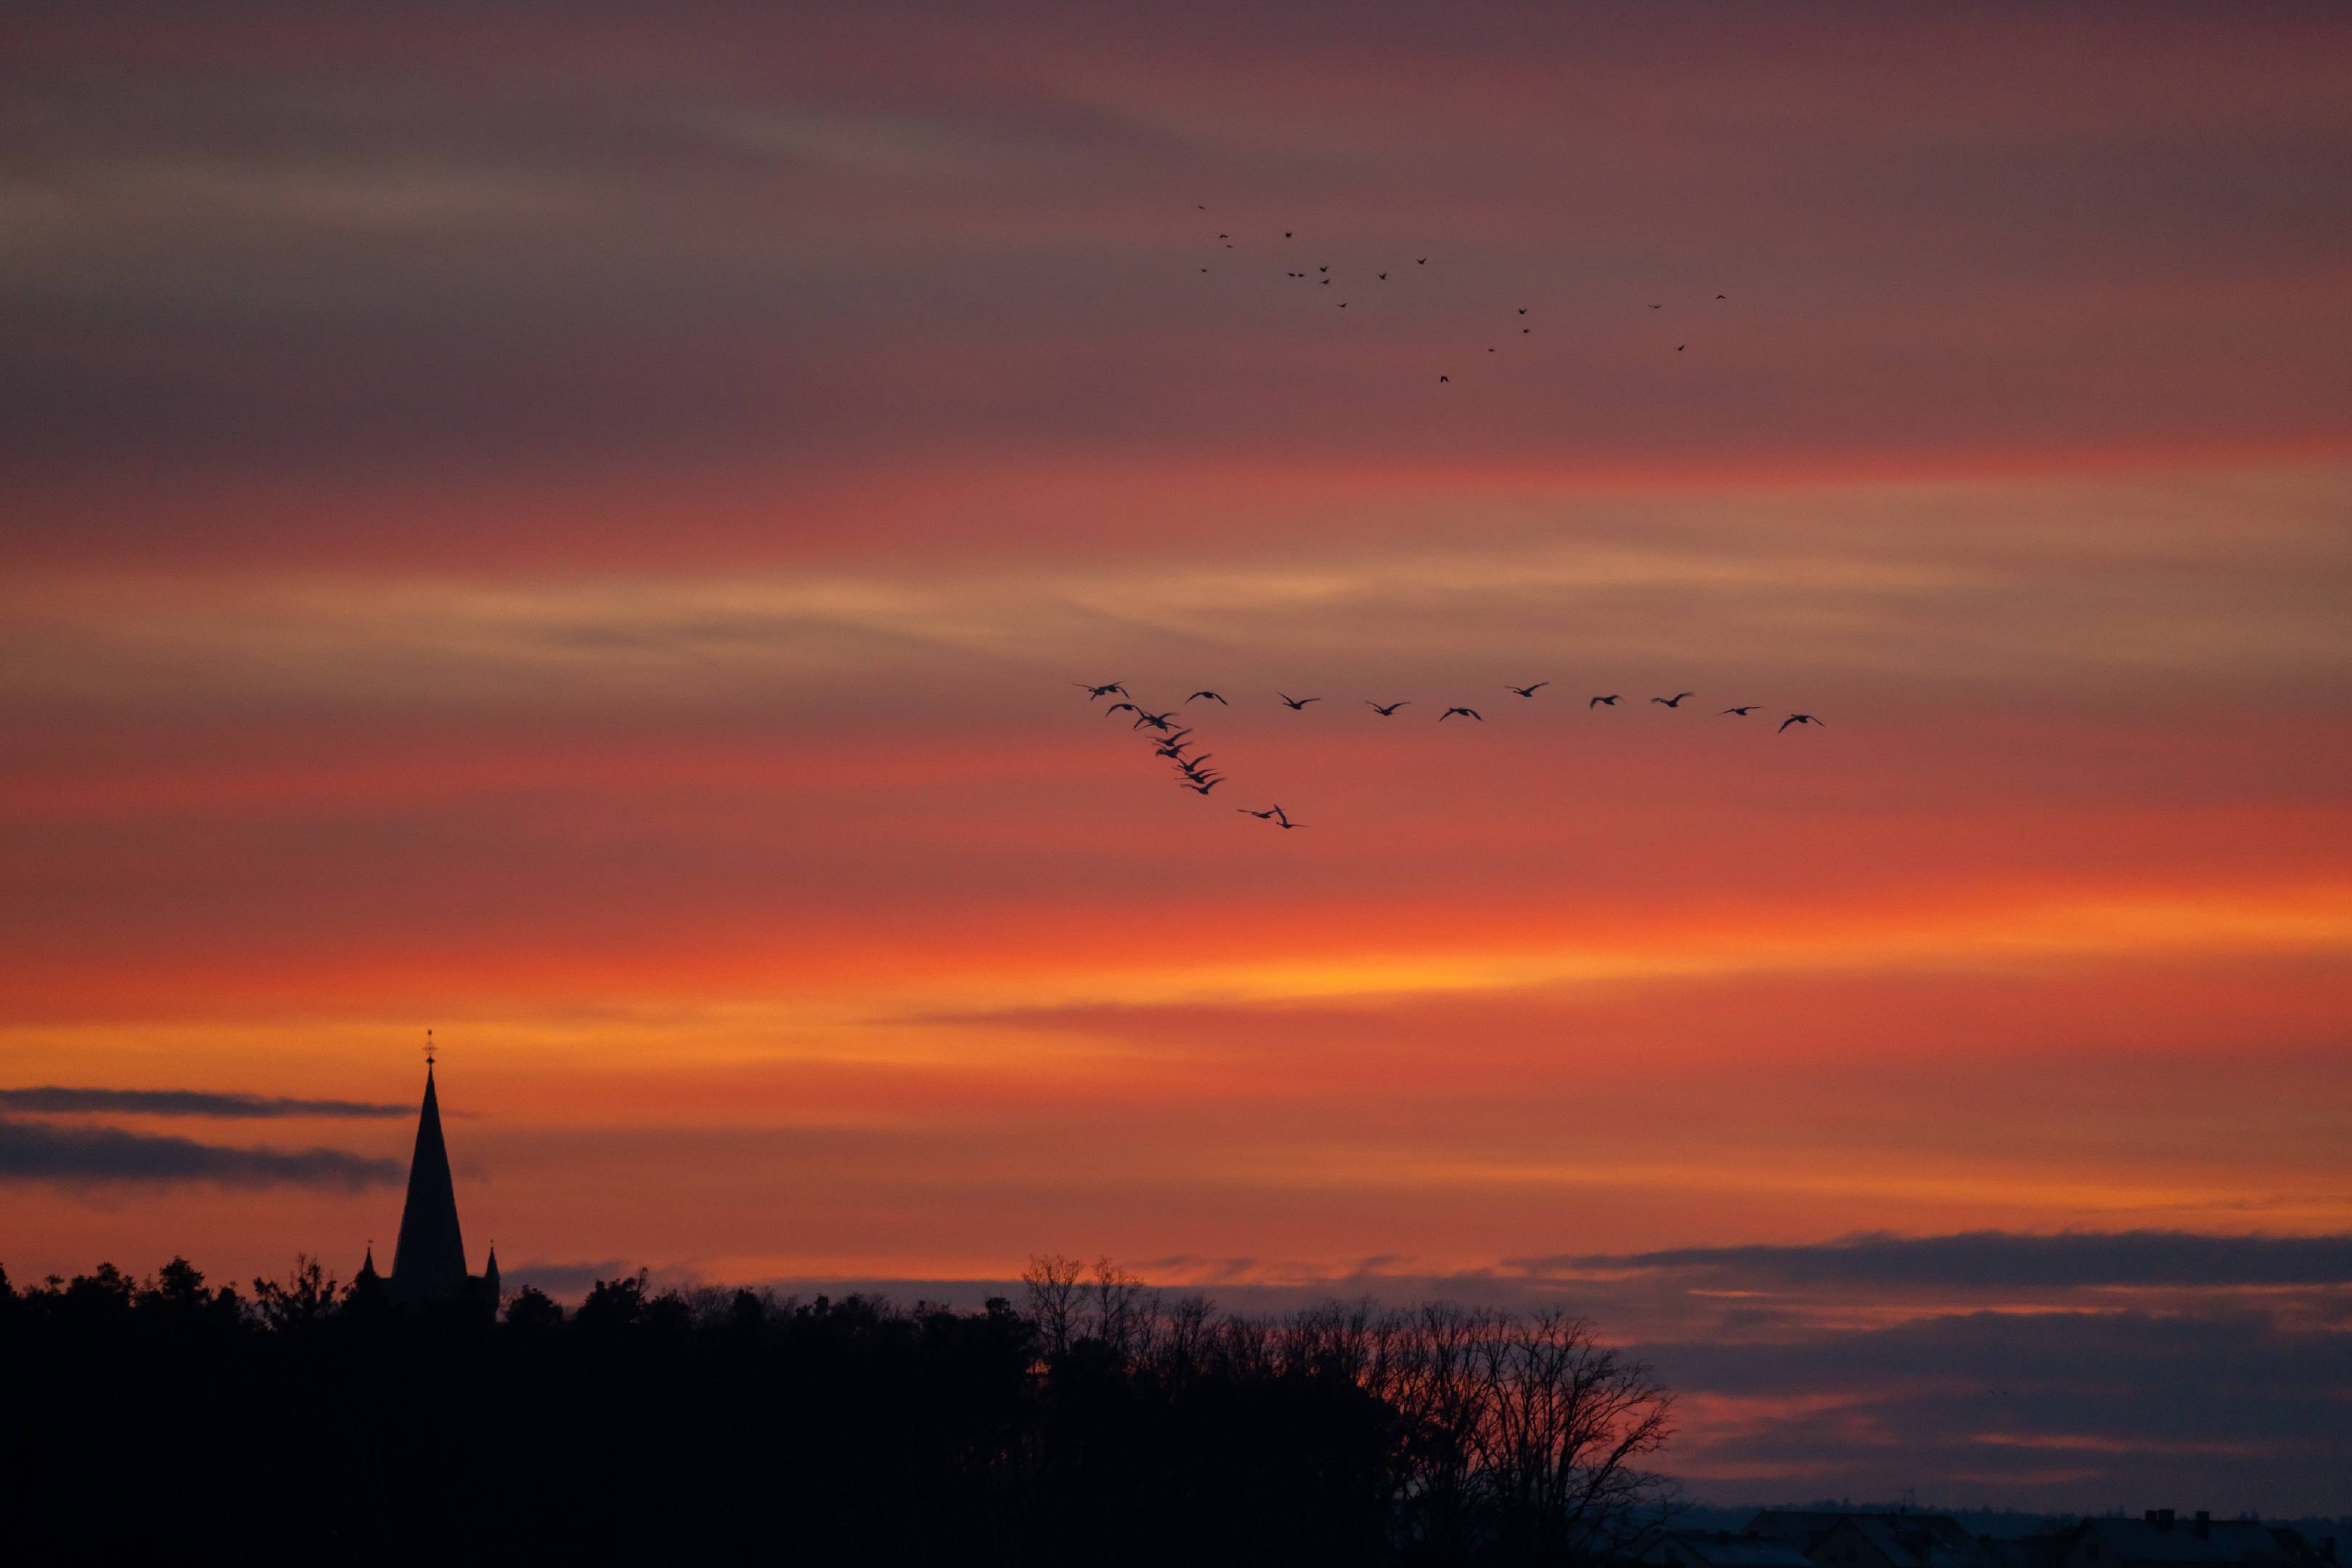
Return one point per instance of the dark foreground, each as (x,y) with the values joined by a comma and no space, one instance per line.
(167,1419)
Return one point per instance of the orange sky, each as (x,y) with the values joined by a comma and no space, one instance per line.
(583,539)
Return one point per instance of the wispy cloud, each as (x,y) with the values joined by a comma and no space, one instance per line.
(54,1100)
(38,1152)
(1995,1258)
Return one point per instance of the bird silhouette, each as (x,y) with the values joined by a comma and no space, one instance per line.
(1093,691)
(1285,234)
(1657,306)
(1673,701)
(1295,703)
(1260,815)
(1720,296)
(1743,712)
(1157,720)
(1465,712)
(1679,347)
(1117,706)
(1420,262)
(1203,788)
(1210,696)
(1530,690)
(1798,718)
(1322,269)
(1283,819)
(1386,709)
(1450,378)
(1609,702)
(1384,277)
(1523,310)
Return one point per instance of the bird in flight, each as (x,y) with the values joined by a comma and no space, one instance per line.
(1203,788)
(1743,712)
(1260,815)
(1530,690)
(1720,296)
(1210,696)
(1281,819)
(1673,701)
(1609,702)
(1798,718)
(1450,378)
(1384,277)
(1420,262)
(1295,704)
(1657,306)
(1679,347)
(1523,310)
(1093,691)
(1117,706)
(1157,720)
(1465,712)
(1385,709)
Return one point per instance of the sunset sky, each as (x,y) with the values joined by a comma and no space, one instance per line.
(576,526)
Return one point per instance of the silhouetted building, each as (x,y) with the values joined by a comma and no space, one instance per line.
(1803,1528)
(1901,1541)
(2161,1539)
(428,1261)
(1721,1549)
(1836,1538)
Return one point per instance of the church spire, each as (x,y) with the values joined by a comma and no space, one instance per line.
(428,1262)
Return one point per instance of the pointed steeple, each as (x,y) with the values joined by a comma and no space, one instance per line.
(428,1262)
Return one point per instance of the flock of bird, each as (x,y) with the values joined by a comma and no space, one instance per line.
(1321,276)
(1171,738)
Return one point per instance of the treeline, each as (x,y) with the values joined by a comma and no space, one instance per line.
(1096,1421)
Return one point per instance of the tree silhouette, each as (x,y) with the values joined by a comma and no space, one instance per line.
(1099,1419)
(302,1300)
(532,1310)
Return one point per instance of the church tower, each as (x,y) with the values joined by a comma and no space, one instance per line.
(428,1262)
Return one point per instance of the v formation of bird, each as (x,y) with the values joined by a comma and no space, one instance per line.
(1321,276)
(1173,739)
